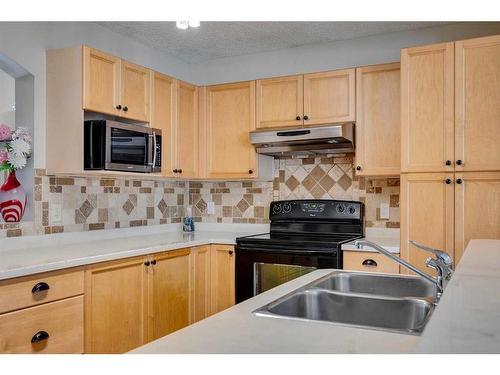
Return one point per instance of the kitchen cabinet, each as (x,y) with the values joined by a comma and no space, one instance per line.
(280,102)
(201,283)
(427,209)
(427,112)
(229,117)
(477,208)
(477,104)
(116,306)
(163,116)
(135,92)
(169,292)
(329,97)
(369,262)
(223,293)
(378,120)
(186,164)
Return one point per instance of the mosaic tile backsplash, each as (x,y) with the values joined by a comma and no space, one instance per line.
(92,203)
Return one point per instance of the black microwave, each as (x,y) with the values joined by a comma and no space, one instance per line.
(116,146)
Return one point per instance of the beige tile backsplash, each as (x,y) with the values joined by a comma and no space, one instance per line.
(92,203)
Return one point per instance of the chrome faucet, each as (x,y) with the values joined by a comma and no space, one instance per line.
(442,264)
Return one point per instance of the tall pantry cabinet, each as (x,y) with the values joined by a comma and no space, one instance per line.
(450,141)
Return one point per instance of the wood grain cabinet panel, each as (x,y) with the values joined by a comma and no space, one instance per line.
(427,204)
(115,306)
(223,293)
(280,102)
(135,92)
(229,117)
(369,262)
(329,97)
(201,281)
(378,120)
(477,208)
(427,113)
(101,81)
(163,116)
(169,293)
(55,327)
(477,104)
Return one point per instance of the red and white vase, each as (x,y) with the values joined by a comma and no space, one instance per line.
(12,199)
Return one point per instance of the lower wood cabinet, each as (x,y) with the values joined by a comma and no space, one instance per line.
(369,262)
(223,294)
(200,274)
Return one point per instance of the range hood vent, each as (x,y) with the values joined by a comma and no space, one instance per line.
(331,139)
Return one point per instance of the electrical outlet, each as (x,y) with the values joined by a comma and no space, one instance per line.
(210,208)
(384,210)
(55,213)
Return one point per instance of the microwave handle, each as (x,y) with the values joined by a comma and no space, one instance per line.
(152,150)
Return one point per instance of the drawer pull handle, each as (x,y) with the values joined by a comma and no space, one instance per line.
(40,287)
(39,336)
(369,263)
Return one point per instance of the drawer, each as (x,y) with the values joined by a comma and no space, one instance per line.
(369,262)
(33,290)
(55,327)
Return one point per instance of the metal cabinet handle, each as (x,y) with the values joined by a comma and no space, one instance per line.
(153,262)
(125,109)
(448,162)
(369,263)
(448,181)
(40,287)
(459,181)
(39,336)
(231,252)
(306,117)
(180,171)
(459,162)
(297,118)
(358,168)
(118,107)
(147,263)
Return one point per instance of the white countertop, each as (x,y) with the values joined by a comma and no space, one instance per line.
(467,320)
(385,237)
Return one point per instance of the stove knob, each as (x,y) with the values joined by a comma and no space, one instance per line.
(287,207)
(351,210)
(340,209)
(277,208)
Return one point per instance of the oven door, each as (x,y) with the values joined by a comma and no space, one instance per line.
(129,147)
(258,270)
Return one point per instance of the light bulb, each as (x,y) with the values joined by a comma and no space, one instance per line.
(194,23)
(182,24)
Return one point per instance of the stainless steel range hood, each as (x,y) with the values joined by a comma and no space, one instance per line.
(332,139)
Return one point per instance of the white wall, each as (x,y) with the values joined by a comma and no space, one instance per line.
(26,42)
(329,56)
(7,98)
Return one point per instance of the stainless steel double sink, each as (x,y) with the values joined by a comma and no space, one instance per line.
(395,303)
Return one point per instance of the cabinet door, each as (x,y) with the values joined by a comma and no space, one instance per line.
(477,104)
(187,130)
(378,124)
(329,97)
(169,287)
(101,81)
(230,116)
(427,115)
(223,277)
(115,306)
(201,283)
(135,91)
(163,117)
(280,102)
(426,215)
(477,208)
(369,262)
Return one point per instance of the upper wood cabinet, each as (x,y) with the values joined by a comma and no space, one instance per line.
(427,204)
(229,117)
(222,269)
(477,104)
(163,116)
(169,293)
(115,86)
(280,102)
(186,162)
(477,208)
(427,119)
(329,97)
(378,120)
(115,306)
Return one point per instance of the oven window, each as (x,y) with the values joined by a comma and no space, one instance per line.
(268,276)
(128,147)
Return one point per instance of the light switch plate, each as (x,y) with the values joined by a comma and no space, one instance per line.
(210,208)
(55,213)
(384,210)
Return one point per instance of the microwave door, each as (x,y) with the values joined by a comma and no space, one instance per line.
(127,149)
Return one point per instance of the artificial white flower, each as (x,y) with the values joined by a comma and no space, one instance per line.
(17,161)
(22,133)
(20,147)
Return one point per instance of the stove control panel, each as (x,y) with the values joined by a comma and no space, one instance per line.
(321,209)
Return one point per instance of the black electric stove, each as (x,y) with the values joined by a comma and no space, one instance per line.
(305,235)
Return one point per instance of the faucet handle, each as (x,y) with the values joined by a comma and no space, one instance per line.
(441,255)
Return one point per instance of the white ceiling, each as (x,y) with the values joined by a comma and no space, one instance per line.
(213,40)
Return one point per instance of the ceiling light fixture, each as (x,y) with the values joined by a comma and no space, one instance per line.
(183,25)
